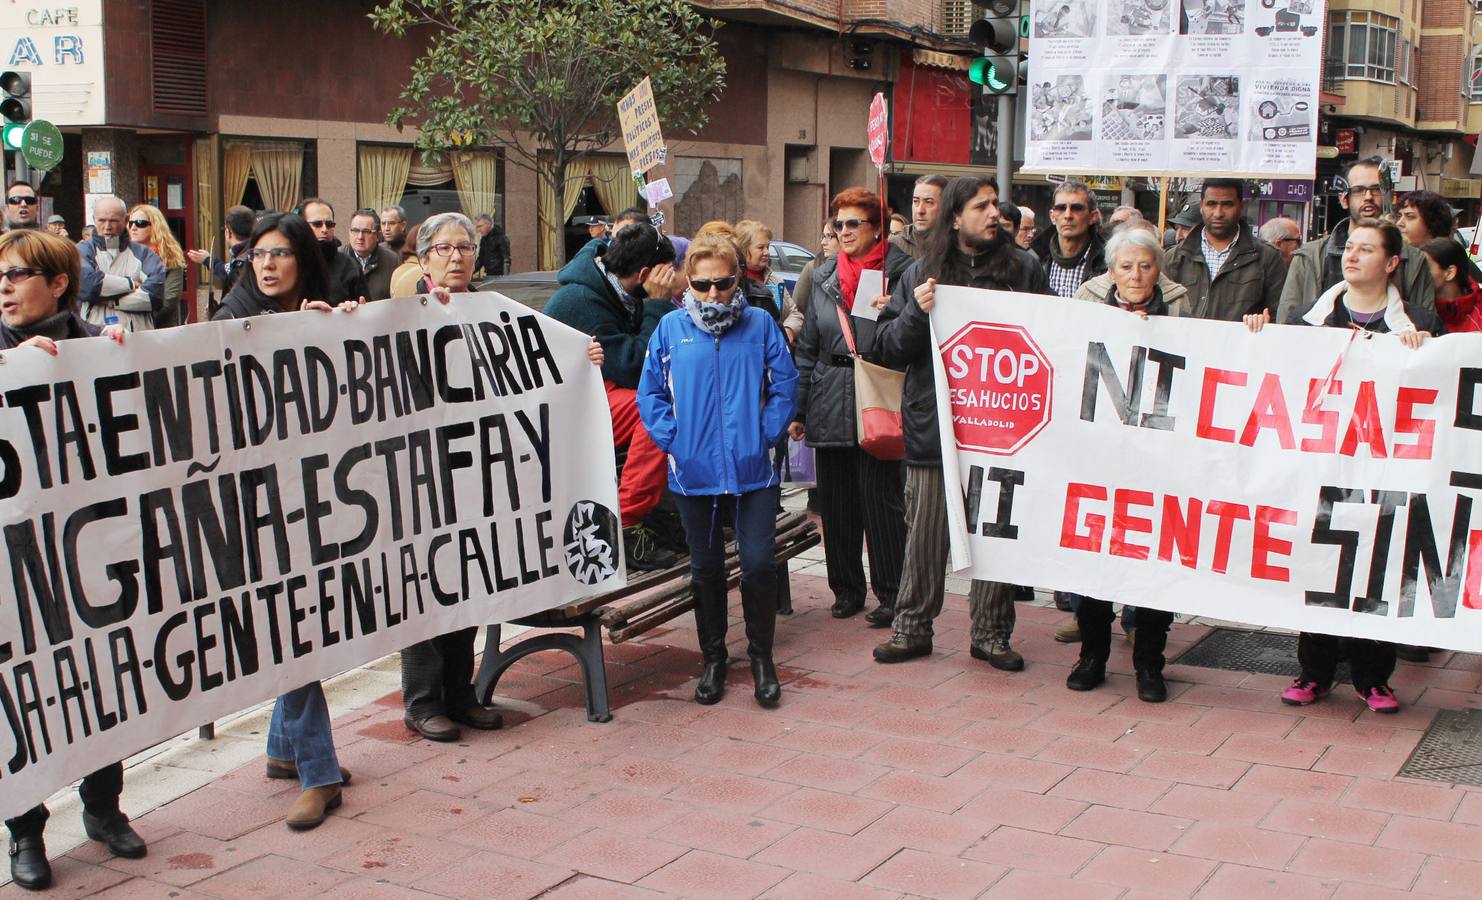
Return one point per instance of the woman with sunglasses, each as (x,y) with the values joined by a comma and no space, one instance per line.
(39,277)
(147,226)
(716,393)
(288,274)
(860,498)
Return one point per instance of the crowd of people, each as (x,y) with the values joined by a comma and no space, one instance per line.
(711,365)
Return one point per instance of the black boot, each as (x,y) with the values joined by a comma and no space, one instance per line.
(710,626)
(113,829)
(784,590)
(28,866)
(759,606)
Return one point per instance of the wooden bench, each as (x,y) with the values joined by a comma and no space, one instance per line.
(647,601)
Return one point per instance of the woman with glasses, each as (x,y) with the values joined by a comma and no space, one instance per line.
(828,245)
(716,393)
(860,498)
(39,277)
(147,226)
(288,274)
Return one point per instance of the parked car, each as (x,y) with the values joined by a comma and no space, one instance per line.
(788,261)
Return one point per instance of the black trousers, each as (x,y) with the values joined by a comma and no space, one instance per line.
(99,792)
(1372,662)
(437,675)
(861,502)
(1096,618)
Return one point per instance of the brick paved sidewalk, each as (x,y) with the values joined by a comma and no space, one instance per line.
(939,778)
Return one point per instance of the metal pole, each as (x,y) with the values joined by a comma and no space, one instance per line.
(1005,146)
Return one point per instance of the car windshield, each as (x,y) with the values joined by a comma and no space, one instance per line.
(789,258)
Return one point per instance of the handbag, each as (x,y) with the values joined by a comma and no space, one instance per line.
(877,402)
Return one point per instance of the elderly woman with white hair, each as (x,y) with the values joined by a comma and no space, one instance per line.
(1141,286)
(437,674)
(1134,260)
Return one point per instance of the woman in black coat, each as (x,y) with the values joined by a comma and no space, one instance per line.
(859,497)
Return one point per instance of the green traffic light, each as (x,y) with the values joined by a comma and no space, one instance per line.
(986,72)
(14,135)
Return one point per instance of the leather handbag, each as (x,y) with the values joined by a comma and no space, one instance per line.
(877,402)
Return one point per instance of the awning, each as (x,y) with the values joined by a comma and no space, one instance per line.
(1466,188)
(907,167)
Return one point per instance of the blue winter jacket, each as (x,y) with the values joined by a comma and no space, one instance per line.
(718,406)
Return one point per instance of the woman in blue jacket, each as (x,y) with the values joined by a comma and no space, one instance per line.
(717,392)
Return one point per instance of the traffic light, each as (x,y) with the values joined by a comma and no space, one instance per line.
(15,107)
(996,31)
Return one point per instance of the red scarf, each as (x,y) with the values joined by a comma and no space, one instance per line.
(757,275)
(849,268)
(1462,314)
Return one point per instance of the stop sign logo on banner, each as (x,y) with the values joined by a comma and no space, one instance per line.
(999,382)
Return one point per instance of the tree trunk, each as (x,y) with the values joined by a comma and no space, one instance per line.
(558,181)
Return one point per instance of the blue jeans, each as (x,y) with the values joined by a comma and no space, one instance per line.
(300,732)
(755,515)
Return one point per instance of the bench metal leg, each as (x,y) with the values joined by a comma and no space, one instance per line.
(587,649)
(784,590)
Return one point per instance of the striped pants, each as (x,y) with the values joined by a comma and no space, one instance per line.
(924,581)
(859,501)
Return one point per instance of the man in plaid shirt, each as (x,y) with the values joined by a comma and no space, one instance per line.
(1071,249)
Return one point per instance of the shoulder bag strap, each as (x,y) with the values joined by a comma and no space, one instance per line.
(847,327)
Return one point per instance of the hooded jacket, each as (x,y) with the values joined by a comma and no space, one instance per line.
(244,300)
(1329,311)
(1250,281)
(1318,265)
(903,335)
(1046,246)
(718,404)
(100,286)
(586,302)
(825,369)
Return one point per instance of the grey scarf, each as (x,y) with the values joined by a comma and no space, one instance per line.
(714,318)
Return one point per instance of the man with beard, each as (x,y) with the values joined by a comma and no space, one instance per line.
(346,281)
(394,233)
(968,246)
(1319,264)
(1229,274)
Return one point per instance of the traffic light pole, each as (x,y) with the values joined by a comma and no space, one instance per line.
(1005,147)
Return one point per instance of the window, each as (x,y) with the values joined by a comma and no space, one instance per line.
(1403,61)
(1474,77)
(1365,45)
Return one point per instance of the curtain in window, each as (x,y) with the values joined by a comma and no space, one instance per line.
(476,176)
(612,181)
(279,170)
(236,165)
(430,171)
(552,220)
(383,175)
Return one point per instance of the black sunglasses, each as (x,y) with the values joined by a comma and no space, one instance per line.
(1073,207)
(21,201)
(140,223)
(848,224)
(704,285)
(322,223)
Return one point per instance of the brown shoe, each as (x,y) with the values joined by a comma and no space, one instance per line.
(434,728)
(312,806)
(1069,633)
(285,769)
(480,717)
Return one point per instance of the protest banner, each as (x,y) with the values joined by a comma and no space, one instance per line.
(643,139)
(1304,477)
(208,516)
(1175,87)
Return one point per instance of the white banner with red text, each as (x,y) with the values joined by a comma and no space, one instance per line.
(1309,478)
(205,517)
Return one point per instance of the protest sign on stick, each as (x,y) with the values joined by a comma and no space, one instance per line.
(208,516)
(648,155)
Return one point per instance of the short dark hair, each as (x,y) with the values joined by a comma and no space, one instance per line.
(367,211)
(20,182)
(313,277)
(1074,186)
(633,248)
(666,253)
(631,214)
(1010,213)
(302,207)
(239,220)
(939,182)
(1434,211)
(1447,252)
(1228,184)
(1374,161)
(1394,239)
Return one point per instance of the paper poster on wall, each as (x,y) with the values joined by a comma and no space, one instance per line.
(1174,87)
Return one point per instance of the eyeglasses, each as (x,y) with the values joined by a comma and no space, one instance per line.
(21,201)
(1366,190)
(704,285)
(18,274)
(364,231)
(1289,240)
(1076,208)
(262,253)
(322,223)
(140,223)
(446,250)
(848,224)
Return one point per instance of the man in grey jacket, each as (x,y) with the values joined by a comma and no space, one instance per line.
(1228,273)
(1319,264)
(376,260)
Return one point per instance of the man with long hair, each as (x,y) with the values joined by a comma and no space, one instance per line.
(969,246)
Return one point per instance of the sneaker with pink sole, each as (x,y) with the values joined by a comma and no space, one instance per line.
(1302,692)
(1381,699)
